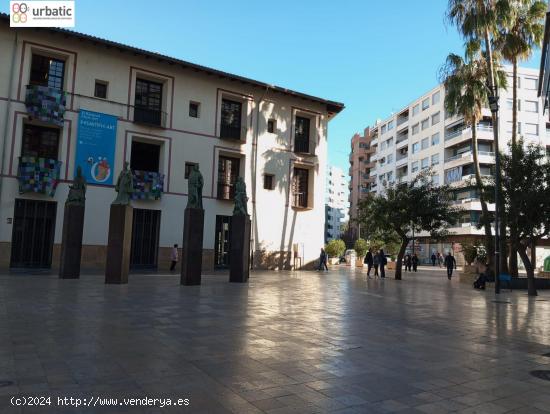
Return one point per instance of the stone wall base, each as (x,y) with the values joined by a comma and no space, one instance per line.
(281,260)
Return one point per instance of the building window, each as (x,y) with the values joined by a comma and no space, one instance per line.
(272,125)
(436,97)
(435,180)
(194,108)
(389,158)
(100,89)
(46,71)
(415,129)
(435,118)
(531,83)
(425,163)
(300,183)
(435,159)
(228,171)
(390,125)
(188,167)
(301,134)
(425,143)
(148,102)
(531,106)
(268,181)
(425,104)
(383,131)
(425,124)
(415,147)
(231,118)
(145,157)
(414,166)
(531,129)
(416,109)
(40,142)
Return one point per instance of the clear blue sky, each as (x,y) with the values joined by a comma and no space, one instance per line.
(374,56)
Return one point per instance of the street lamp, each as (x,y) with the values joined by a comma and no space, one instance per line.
(493,105)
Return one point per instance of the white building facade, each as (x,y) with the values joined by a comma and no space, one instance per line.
(422,136)
(69,100)
(336,203)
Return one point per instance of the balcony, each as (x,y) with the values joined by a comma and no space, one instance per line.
(148,185)
(484,132)
(302,145)
(370,164)
(401,161)
(464,181)
(484,157)
(149,117)
(38,175)
(46,104)
(232,133)
(299,199)
(402,142)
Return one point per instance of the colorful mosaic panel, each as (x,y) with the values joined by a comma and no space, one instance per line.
(38,175)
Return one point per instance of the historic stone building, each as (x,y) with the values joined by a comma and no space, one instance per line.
(68,99)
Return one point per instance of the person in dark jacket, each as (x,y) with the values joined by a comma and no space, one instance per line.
(323,260)
(408,263)
(414,261)
(383,262)
(434,258)
(376,263)
(450,264)
(369,262)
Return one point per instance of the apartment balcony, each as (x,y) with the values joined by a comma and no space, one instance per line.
(46,104)
(402,143)
(149,117)
(303,146)
(401,121)
(370,179)
(401,161)
(374,142)
(38,175)
(484,132)
(465,181)
(468,158)
(370,164)
(402,178)
(468,228)
(472,204)
(148,185)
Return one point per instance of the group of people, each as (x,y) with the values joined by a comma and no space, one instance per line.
(378,261)
(411,261)
(437,258)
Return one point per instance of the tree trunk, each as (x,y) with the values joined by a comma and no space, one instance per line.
(513,270)
(531,288)
(485,219)
(534,254)
(399,264)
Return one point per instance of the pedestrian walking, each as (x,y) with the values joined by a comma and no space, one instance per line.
(369,262)
(323,260)
(450,264)
(439,259)
(383,263)
(376,263)
(414,261)
(174,258)
(408,262)
(434,258)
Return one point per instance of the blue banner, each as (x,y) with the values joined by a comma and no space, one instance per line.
(95,147)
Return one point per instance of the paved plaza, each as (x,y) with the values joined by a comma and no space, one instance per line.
(289,342)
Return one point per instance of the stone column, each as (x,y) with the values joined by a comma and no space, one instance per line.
(71,244)
(191,257)
(239,253)
(120,241)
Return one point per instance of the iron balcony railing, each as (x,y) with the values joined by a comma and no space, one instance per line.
(301,145)
(149,116)
(468,153)
(299,199)
(231,132)
(458,132)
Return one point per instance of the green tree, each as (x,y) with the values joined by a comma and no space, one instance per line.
(466,95)
(361,246)
(335,248)
(418,206)
(520,35)
(527,182)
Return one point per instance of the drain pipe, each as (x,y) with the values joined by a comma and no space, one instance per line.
(7,112)
(254,177)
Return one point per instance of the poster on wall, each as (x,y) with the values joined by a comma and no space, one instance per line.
(95,147)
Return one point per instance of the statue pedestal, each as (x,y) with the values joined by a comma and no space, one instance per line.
(71,244)
(191,258)
(120,241)
(239,255)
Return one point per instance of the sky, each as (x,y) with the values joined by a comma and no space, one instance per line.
(374,56)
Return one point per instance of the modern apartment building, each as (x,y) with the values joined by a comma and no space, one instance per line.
(422,136)
(336,203)
(70,100)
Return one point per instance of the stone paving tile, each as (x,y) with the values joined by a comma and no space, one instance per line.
(287,342)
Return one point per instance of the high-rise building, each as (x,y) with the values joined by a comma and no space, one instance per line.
(336,203)
(421,135)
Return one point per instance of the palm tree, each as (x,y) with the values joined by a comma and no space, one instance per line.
(516,41)
(466,95)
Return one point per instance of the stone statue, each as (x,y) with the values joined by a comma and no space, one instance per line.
(240,198)
(124,186)
(77,191)
(194,188)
